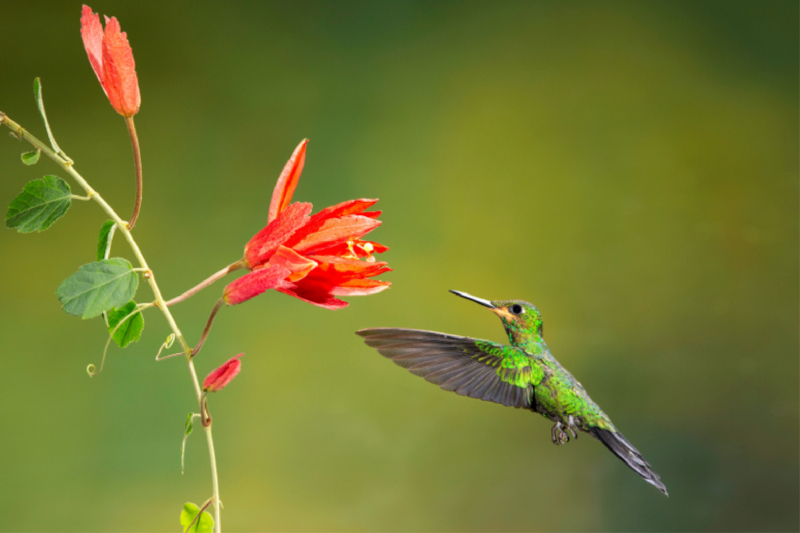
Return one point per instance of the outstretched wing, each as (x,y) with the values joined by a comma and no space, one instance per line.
(470,367)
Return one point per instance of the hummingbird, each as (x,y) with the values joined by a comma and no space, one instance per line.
(523,375)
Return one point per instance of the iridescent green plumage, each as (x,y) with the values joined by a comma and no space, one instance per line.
(523,375)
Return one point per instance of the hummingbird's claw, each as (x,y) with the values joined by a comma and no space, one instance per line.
(559,435)
(571,427)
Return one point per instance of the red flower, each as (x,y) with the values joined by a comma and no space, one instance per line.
(112,60)
(220,377)
(313,258)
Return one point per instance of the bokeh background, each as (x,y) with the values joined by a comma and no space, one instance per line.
(629,167)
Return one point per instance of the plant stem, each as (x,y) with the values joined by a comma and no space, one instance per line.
(137,165)
(123,227)
(214,480)
(214,277)
(203,337)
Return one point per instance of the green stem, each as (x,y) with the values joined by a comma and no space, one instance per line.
(67,164)
(214,479)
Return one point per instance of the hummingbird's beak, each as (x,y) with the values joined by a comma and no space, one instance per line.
(475,299)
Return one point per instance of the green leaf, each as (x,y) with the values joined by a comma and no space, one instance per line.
(128,332)
(37,93)
(104,242)
(187,430)
(31,158)
(40,203)
(205,524)
(98,287)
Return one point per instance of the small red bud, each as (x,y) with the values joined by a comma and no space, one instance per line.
(220,377)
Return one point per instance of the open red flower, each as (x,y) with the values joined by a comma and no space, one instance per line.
(313,258)
(112,60)
(223,375)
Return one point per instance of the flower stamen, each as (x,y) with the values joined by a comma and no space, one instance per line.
(368,249)
(351,253)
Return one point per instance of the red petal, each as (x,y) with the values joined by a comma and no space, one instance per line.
(261,247)
(335,231)
(337,270)
(351,207)
(223,375)
(298,265)
(312,293)
(254,283)
(119,71)
(287,182)
(360,287)
(92,33)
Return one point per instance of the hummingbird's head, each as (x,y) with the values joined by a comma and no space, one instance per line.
(521,319)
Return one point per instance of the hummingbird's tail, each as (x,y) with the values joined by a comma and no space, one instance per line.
(623,449)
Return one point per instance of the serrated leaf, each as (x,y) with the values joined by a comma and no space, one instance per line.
(40,203)
(31,158)
(98,287)
(104,246)
(104,242)
(204,524)
(131,330)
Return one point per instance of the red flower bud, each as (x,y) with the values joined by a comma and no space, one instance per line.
(220,377)
(112,60)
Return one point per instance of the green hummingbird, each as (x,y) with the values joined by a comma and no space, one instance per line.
(523,375)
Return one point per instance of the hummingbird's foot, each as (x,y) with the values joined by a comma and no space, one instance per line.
(571,427)
(571,430)
(558,434)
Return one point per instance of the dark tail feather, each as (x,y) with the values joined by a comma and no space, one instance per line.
(623,449)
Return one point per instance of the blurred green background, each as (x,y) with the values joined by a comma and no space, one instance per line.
(629,167)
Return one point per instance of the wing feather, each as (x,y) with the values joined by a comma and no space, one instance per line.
(469,367)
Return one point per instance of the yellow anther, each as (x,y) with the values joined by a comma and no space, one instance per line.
(368,248)
(351,253)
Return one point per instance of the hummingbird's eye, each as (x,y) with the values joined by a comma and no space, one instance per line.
(515,309)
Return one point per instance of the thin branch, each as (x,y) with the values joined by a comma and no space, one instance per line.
(67,164)
(214,311)
(37,93)
(137,164)
(214,479)
(211,279)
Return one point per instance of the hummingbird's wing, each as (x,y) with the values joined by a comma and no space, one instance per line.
(469,367)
